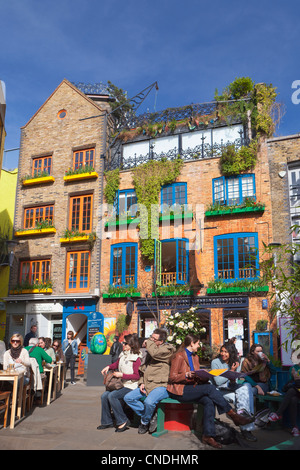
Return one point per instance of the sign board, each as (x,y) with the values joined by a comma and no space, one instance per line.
(95,325)
(83,359)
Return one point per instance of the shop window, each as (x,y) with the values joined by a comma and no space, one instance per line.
(80,218)
(42,166)
(35,271)
(34,216)
(78,271)
(83,158)
(233,190)
(171,262)
(123,264)
(236,256)
(236,325)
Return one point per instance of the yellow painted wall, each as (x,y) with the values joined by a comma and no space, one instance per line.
(8,184)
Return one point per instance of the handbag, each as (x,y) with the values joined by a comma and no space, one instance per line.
(112,383)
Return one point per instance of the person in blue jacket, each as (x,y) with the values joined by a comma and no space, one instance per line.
(70,350)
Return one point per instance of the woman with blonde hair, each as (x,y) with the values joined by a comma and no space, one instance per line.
(18,357)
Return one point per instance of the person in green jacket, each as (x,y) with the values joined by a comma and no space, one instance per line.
(38,353)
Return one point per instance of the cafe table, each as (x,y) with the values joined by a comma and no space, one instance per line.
(52,370)
(18,380)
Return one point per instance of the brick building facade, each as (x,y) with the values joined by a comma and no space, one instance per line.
(196,248)
(59,137)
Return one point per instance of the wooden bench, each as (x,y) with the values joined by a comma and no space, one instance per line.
(161,414)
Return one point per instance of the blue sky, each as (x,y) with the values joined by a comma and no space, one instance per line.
(190,48)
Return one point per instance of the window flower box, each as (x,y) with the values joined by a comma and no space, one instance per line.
(121,295)
(81,238)
(169,294)
(232,289)
(35,231)
(46,290)
(126,221)
(236,210)
(81,176)
(181,215)
(39,180)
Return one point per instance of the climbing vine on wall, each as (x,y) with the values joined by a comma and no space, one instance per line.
(148,180)
(112,185)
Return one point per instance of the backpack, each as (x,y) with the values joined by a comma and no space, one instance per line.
(225,434)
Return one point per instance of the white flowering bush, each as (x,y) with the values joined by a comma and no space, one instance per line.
(181,324)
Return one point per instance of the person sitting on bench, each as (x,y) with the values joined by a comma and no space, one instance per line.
(185,386)
(154,380)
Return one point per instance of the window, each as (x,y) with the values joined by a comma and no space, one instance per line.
(175,193)
(82,158)
(236,256)
(78,271)
(171,262)
(81,213)
(41,166)
(126,201)
(233,190)
(123,263)
(36,215)
(35,272)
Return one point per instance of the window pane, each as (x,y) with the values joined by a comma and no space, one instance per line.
(233,196)
(167,196)
(117,266)
(131,201)
(219,190)
(130,265)
(86,215)
(225,258)
(247,187)
(75,215)
(84,270)
(182,268)
(72,270)
(180,191)
(247,254)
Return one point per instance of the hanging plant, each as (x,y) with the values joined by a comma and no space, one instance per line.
(236,161)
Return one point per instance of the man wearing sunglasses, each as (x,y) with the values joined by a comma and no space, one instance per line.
(154,379)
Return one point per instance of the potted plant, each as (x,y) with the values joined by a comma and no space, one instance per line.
(261,325)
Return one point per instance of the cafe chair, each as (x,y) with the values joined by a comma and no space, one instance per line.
(27,400)
(4,405)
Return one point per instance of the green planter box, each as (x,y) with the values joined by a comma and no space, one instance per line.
(121,295)
(231,290)
(185,215)
(237,210)
(115,223)
(169,294)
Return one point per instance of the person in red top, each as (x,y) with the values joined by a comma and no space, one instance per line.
(126,367)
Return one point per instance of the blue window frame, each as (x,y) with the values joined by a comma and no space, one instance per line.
(123,264)
(236,256)
(234,189)
(172,264)
(175,193)
(125,202)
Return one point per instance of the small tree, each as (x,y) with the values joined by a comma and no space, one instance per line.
(280,270)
